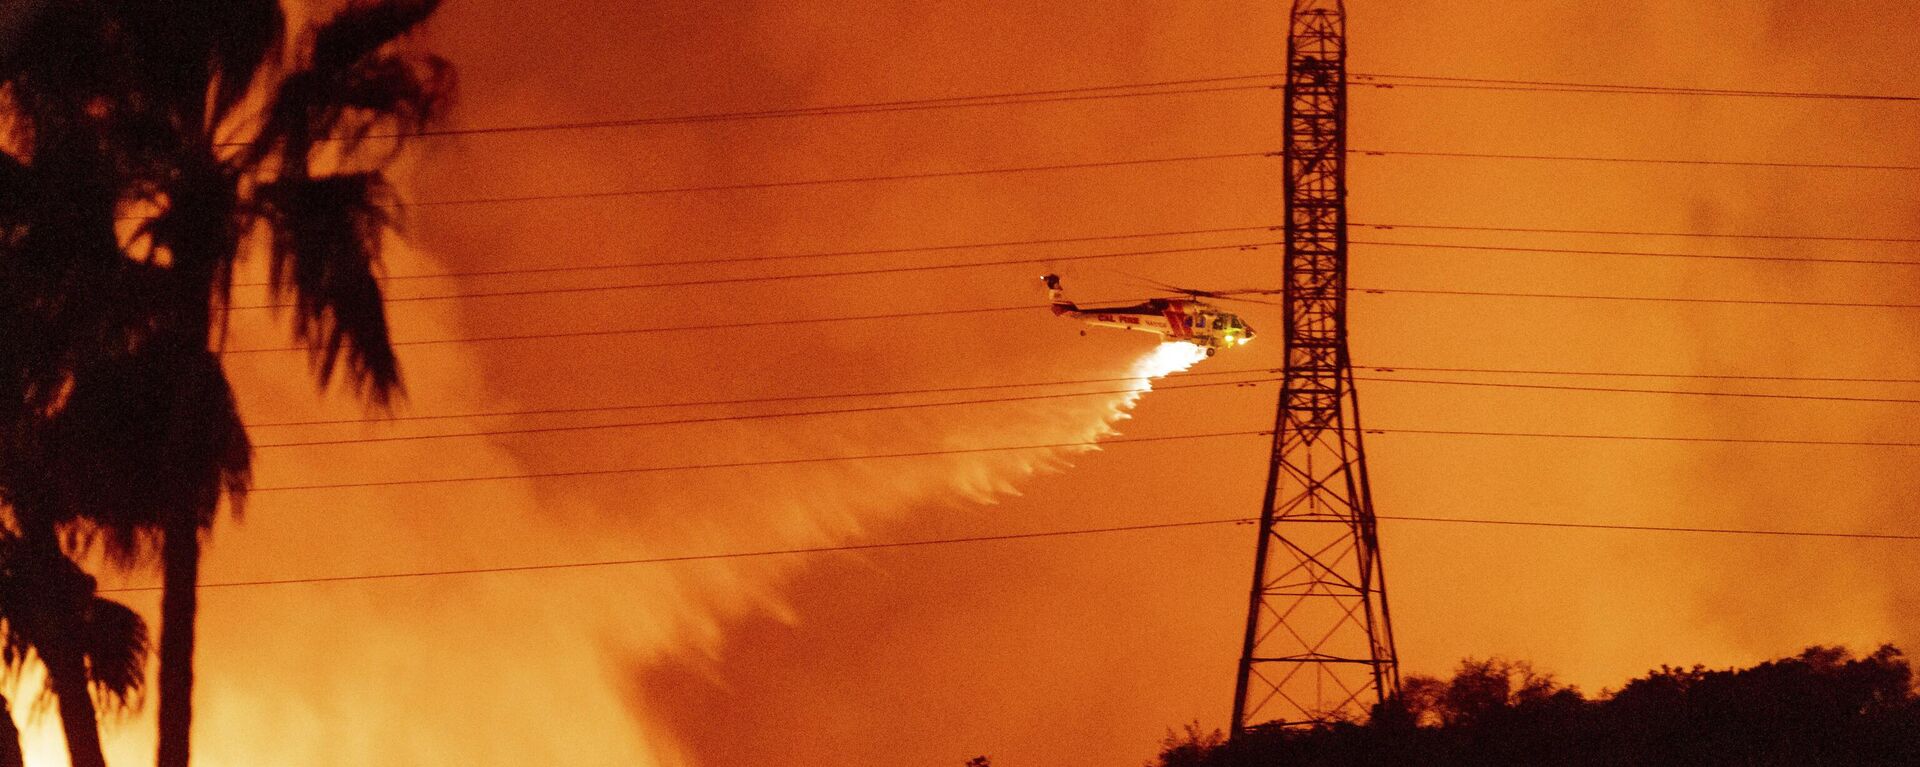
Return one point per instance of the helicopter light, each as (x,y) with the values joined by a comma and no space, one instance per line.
(1242,341)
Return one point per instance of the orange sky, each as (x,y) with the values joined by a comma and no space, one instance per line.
(1077,651)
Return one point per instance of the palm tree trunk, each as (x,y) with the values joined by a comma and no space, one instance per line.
(180,550)
(67,675)
(58,628)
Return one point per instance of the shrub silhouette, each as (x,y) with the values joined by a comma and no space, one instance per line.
(1823,706)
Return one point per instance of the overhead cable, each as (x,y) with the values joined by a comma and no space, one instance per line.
(1488,83)
(735,417)
(1081,445)
(730,418)
(1236,246)
(1002,537)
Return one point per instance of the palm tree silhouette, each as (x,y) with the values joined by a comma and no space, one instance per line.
(214,133)
(63,298)
(145,442)
(86,642)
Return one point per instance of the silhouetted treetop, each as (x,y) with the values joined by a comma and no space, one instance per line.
(1823,706)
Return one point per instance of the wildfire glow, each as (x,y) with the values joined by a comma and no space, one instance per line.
(271,667)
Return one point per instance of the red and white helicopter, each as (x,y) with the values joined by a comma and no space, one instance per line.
(1175,319)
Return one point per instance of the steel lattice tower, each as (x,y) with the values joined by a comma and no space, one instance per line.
(1319,645)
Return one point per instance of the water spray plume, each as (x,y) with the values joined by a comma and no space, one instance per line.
(1166,359)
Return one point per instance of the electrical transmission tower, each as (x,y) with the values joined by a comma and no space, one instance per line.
(1319,645)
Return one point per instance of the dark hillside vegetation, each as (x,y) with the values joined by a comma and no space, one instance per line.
(1822,707)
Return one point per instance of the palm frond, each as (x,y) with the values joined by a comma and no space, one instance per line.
(326,229)
(48,604)
(144,436)
(248,36)
(16,189)
(115,644)
(326,240)
(352,83)
(188,44)
(18,596)
(363,28)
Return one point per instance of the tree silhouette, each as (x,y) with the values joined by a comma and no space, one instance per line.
(85,642)
(1824,706)
(1191,747)
(63,298)
(211,133)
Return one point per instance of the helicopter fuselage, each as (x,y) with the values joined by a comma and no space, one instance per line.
(1175,319)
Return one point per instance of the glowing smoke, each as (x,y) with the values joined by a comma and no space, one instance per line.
(527,668)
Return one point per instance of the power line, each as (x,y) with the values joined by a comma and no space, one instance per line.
(813,275)
(1155,88)
(1006,98)
(1122,163)
(1624,390)
(672,329)
(1664,90)
(1031,398)
(823,254)
(849,547)
(1083,381)
(1116,164)
(753,416)
(1041,260)
(1239,246)
(1664,528)
(1642,253)
(1389,86)
(1000,537)
(1236,295)
(1644,438)
(1633,233)
(1029,307)
(605,194)
(1636,160)
(1095,92)
(1601,297)
(1052,446)
(1192,232)
(1198,85)
(752,464)
(748,401)
(844,180)
(1633,374)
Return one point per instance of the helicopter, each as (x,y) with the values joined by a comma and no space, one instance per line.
(1175,319)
